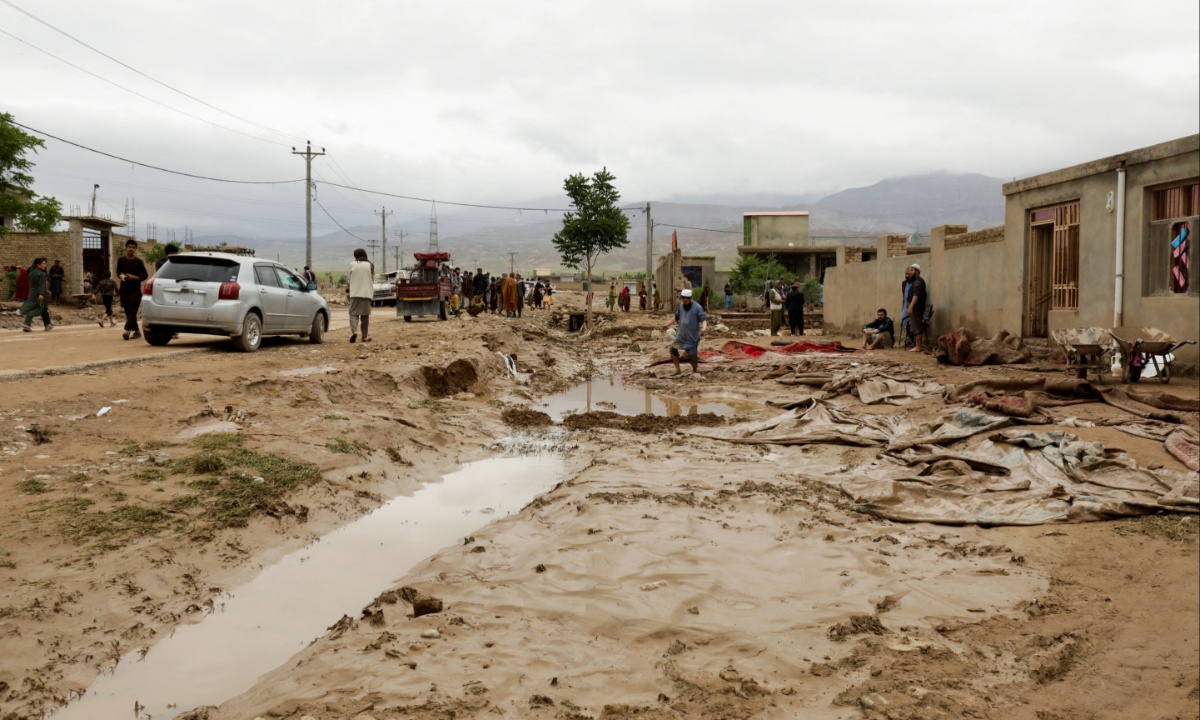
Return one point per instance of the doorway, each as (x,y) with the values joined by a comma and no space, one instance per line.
(1041,257)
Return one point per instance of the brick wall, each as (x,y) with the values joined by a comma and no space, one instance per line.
(979,237)
(20,248)
(897,245)
(853,255)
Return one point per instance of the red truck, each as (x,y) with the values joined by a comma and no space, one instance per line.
(426,291)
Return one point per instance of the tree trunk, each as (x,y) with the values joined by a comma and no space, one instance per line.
(587,298)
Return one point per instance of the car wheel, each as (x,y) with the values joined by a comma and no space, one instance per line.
(156,337)
(316,334)
(251,336)
(442,311)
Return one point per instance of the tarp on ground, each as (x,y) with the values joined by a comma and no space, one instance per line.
(961,347)
(1017,477)
(735,350)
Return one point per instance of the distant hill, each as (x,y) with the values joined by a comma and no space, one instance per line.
(898,205)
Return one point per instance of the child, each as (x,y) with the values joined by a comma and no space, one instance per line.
(106,289)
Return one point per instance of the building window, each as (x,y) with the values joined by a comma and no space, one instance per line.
(1170,250)
(1065,264)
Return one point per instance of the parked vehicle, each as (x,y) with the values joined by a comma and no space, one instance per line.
(384,288)
(426,290)
(216,293)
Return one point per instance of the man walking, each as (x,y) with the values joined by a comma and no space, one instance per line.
(362,290)
(131,273)
(916,307)
(692,321)
(57,273)
(35,304)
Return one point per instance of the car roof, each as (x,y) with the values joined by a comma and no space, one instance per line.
(227,256)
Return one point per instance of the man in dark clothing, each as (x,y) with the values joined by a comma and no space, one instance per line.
(57,274)
(881,333)
(168,251)
(131,272)
(309,275)
(918,295)
(481,282)
(794,304)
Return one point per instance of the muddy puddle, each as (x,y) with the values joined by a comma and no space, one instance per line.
(255,628)
(615,395)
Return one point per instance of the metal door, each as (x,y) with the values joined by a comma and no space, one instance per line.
(1041,249)
(300,304)
(272,299)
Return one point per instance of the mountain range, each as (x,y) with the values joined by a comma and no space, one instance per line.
(486,237)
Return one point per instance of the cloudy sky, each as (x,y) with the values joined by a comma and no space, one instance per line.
(496,102)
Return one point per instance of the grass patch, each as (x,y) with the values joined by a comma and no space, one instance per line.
(336,417)
(342,445)
(430,404)
(113,528)
(1180,528)
(219,441)
(147,475)
(77,478)
(131,449)
(33,486)
(199,464)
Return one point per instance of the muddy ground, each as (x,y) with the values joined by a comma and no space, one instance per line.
(666,576)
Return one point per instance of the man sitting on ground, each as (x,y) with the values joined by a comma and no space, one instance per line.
(881,333)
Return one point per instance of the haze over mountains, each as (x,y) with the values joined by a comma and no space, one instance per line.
(484,238)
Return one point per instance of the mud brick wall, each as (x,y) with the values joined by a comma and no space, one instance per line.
(979,237)
(20,248)
(897,245)
(853,255)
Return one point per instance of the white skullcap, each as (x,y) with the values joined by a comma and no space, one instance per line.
(686,293)
(916,267)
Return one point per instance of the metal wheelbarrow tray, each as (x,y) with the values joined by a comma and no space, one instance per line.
(1086,349)
(1156,344)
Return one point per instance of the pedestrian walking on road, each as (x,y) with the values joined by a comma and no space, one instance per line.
(36,303)
(131,272)
(692,321)
(106,289)
(361,290)
(57,273)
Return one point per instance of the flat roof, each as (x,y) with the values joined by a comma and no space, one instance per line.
(93,220)
(775,212)
(1151,153)
(803,250)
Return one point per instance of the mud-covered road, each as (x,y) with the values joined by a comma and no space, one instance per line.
(662,575)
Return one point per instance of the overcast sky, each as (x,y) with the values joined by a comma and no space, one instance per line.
(497,102)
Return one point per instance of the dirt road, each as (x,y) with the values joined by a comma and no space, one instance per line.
(664,576)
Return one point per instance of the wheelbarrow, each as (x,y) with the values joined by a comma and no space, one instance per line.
(1086,349)
(1155,344)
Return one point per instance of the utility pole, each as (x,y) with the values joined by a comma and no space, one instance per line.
(399,263)
(512,262)
(372,244)
(433,237)
(396,254)
(308,158)
(94,189)
(383,234)
(649,258)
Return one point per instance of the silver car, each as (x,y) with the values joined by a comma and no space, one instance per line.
(223,294)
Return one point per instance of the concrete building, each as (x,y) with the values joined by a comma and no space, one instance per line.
(784,234)
(1088,245)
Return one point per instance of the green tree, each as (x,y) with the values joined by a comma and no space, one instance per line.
(812,291)
(750,273)
(17,200)
(596,225)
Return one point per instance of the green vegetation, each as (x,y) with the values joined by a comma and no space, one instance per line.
(17,199)
(750,273)
(111,529)
(430,404)
(149,474)
(198,464)
(349,447)
(33,486)
(596,226)
(219,441)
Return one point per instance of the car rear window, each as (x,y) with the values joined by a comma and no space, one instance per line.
(199,269)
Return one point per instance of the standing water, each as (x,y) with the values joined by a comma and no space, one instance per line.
(613,394)
(257,627)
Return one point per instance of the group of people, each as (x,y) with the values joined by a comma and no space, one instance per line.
(510,294)
(784,303)
(880,333)
(39,286)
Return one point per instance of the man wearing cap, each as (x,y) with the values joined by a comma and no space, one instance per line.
(775,304)
(692,321)
(917,297)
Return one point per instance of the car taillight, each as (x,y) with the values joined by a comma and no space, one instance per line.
(229,291)
(148,288)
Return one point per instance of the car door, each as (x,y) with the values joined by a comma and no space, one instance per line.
(272,298)
(300,307)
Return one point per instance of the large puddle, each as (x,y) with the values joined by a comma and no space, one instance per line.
(257,627)
(612,394)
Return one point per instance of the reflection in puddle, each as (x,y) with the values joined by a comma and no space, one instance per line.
(612,394)
(260,625)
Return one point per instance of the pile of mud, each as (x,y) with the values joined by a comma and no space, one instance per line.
(521,418)
(456,377)
(638,423)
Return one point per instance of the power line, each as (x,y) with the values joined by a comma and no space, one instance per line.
(335,222)
(152,167)
(135,92)
(440,202)
(686,227)
(148,77)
